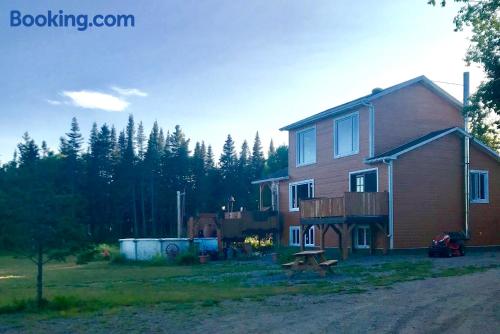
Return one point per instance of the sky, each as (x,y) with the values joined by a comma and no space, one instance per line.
(216,67)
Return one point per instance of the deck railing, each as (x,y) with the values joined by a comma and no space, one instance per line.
(352,204)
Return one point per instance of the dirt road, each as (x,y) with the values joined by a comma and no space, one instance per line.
(462,304)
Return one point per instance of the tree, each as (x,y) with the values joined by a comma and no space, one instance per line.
(484,50)
(44,230)
(257,158)
(277,160)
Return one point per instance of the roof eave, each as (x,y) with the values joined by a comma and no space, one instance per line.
(361,101)
(270,180)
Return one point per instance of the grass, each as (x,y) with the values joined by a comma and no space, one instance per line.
(72,289)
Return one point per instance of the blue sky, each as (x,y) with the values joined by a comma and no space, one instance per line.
(215,67)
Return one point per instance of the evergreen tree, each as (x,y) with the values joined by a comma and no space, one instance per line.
(258,160)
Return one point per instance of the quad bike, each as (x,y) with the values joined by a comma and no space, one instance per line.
(448,244)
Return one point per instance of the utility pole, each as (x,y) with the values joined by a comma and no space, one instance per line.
(179,213)
(466,155)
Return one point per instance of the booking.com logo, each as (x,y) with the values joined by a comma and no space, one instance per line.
(58,19)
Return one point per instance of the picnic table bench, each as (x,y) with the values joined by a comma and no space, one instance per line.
(310,260)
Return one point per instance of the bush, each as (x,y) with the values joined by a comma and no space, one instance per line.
(157,260)
(118,259)
(285,254)
(17,305)
(86,256)
(260,244)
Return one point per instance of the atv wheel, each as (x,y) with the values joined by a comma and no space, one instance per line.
(449,252)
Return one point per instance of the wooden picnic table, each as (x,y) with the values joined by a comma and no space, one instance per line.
(310,260)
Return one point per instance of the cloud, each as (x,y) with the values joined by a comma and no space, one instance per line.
(54,102)
(95,100)
(129,91)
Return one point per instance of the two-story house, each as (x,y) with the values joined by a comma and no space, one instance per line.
(387,171)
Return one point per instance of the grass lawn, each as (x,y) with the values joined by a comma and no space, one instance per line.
(72,289)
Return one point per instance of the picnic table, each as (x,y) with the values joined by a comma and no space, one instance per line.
(310,260)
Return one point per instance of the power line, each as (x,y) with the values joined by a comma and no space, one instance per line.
(448,83)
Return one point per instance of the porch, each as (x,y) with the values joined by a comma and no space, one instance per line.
(343,214)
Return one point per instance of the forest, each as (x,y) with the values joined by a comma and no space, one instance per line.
(120,184)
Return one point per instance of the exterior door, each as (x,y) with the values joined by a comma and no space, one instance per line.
(364,181)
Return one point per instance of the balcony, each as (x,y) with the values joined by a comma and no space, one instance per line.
(351,206)
(342,214)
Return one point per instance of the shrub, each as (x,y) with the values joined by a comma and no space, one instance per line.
(61,303)
(285,254)
(157,260)
(187,259)
(119,259)
(260,244)
(86,256)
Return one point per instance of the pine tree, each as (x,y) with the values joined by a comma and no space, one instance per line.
(141,140)
(210,162)
(258,160)
(29,153)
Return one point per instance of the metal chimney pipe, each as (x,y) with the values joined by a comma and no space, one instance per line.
(466,156)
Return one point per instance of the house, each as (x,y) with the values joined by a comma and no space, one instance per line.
(387,171)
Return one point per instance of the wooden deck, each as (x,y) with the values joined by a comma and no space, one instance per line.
(351,205)
(343,213)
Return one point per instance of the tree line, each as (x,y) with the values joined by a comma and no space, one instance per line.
(124,184)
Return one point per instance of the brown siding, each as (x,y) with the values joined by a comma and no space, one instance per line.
(428,192)
(331,176)
(429,195)
(485,218)
(410,113)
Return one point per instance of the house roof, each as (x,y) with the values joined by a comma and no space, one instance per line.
(430,137)
(368,98)
(281,174)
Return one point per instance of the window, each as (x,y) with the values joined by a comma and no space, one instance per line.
(346,133)
(298,191)
(310,237)
(362,237)
(294,236)
(306,147)
(478,186)
(363,181)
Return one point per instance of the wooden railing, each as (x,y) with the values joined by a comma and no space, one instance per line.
(352,204)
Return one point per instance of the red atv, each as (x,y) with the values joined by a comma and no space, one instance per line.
(448,244)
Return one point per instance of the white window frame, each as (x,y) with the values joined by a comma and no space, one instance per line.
(356,151)
(298,183)
(294,229)
(363,171)
(312,234)
(297,147)
(486,198)
(367,237)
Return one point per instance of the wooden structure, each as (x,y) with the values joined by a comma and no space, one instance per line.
(233,226)
(342,214)
(310,260)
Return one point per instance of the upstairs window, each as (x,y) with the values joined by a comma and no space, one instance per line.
(306,147)
(299,191)
(346,135)
(478,186)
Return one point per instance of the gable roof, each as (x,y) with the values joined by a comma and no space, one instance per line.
(368,98)
(430,137)
(281,174)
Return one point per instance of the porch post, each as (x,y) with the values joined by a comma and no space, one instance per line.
(302,239)
(322,237)
(345,241)
(260,197)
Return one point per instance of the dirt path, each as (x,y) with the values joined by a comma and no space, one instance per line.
(463,304)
